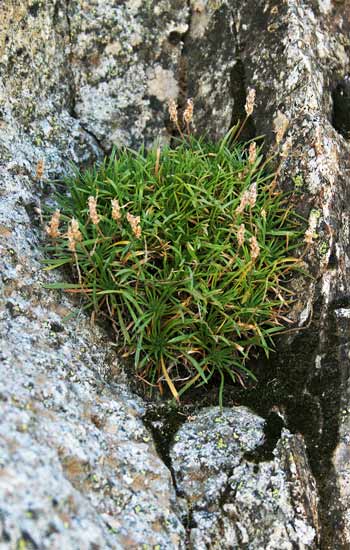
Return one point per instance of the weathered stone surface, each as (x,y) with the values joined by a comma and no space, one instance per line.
(125,59)
(75,78)
(36,94)
(78,468)
(295,53)
(207,63)
(234,502)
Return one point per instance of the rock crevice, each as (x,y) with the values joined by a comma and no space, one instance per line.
(78,466)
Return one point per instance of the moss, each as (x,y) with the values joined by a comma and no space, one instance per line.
(323,248)
(298,182)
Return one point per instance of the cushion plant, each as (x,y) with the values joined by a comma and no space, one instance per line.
(186,250)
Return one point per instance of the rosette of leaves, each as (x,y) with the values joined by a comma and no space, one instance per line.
(186,251)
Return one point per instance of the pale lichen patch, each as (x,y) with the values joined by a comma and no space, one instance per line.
(325,6)
(200,18)
(163,84)
(114,48)
(134,5)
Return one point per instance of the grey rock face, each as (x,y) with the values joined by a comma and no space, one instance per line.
(125,59)
(78,467)
(295,66)
(234,502)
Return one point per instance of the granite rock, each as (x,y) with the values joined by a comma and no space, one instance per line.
(236,501)
(78,466)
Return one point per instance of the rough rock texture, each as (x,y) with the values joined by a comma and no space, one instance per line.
(78,467)
(124,60)
(296,64)
(237,502)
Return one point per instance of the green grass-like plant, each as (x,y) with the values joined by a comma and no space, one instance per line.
(186,250)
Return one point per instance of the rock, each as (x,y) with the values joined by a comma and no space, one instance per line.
(207,65)
(78,467)
(295,55)
(124,61)
(235,502)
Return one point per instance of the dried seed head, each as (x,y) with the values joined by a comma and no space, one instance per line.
(263,213)
(252,194)
(52,229)
(240,235)
(286,147)
(188,112)
(172,107)
(310,233)
(75,230)
(280,123)
(249,105)
(92,202)
(252,152)
(71,242)
(134,222)
(244,201)
(116,214)
(73,234)
(40,169)
(309,236)
(254,248)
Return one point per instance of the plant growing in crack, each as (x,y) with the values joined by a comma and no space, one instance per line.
(186,250)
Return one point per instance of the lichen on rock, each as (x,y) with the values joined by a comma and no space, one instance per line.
(78,467)
(235,502)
